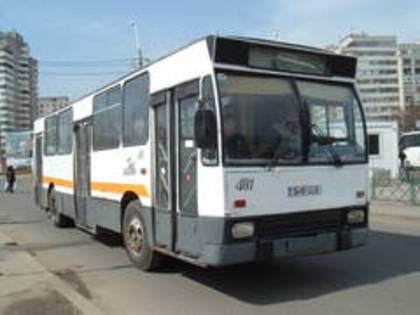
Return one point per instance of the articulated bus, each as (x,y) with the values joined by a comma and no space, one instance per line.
(229,150)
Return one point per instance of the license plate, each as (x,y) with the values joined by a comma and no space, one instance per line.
(304,190)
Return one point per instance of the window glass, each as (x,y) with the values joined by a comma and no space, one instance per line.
(373,144)
(99,102)
(187,157)
(408,141)
(107,120)
(336,122)
(187,112)
(162,161)
(65,123)
(261,120)
(114,96)
(209,155)
(107,129)
(136,112)
(50,135)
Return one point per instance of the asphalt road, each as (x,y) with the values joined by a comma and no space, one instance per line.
(381,278)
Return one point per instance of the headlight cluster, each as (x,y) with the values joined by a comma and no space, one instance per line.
(243,230)
(356,216)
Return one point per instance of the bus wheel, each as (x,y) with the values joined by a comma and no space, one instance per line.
(136,237)
(56,218)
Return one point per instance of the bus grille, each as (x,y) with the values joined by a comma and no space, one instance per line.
(301,224)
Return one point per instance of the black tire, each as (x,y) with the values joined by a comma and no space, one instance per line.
(55,217)
(137,238)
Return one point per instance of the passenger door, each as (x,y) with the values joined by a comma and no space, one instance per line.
(38,170)
(188,236)
(83,131)
(175,170)
(165,188)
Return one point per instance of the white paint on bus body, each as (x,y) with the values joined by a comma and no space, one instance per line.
(269,191)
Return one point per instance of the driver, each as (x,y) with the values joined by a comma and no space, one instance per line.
(235,144)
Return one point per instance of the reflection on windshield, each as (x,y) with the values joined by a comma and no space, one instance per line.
(263,121)
(260,120)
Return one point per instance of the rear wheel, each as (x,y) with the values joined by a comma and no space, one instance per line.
(137,238)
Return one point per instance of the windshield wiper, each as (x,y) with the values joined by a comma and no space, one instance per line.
(327,141)
(279,152)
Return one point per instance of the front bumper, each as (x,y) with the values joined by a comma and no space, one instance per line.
(257,250)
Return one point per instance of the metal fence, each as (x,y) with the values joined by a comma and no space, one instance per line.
(405,189)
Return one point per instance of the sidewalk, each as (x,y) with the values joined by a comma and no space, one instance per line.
(26,287)
(396,210)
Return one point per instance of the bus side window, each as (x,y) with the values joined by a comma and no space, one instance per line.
(107,120)
(51,133)
(65,129)
(209,156)
(136,111)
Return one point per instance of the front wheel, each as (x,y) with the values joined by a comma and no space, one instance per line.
(136,238)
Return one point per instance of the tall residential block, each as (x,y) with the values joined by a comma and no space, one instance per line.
(378,74)
(409,61)
(18,85)
(46,105)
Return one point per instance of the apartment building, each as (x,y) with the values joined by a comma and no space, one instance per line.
(378,74)
(409,66)
(18,85)
(46,105)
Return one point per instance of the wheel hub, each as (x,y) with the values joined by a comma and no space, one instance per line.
(135,236)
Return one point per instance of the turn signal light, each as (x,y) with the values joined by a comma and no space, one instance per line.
(360,194)
(239,203)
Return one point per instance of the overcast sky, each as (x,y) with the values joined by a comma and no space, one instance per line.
(91,30)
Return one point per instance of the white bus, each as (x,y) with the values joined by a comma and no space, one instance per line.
(227,151)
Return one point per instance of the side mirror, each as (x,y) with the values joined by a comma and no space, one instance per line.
(205,128)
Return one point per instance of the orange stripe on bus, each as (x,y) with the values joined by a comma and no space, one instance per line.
(120,188)
(58,181)
(115,188)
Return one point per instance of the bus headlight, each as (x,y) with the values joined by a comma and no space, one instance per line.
(243,230)
(355,216)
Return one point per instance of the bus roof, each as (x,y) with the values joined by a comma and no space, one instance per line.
(342,65)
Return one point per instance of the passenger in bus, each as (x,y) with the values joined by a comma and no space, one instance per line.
(10,179)
(235,144)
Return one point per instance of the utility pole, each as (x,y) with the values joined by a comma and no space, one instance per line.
(137,42)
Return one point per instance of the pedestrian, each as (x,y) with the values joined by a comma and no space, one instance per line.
(10,179)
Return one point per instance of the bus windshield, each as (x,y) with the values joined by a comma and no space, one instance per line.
(263,121)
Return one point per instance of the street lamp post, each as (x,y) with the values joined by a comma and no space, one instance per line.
(137,42)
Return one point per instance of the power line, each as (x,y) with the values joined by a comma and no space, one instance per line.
(126,60)
(75,65)
(82,73)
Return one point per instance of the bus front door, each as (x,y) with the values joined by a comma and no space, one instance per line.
(164,189)
(82,170)
(175,174)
